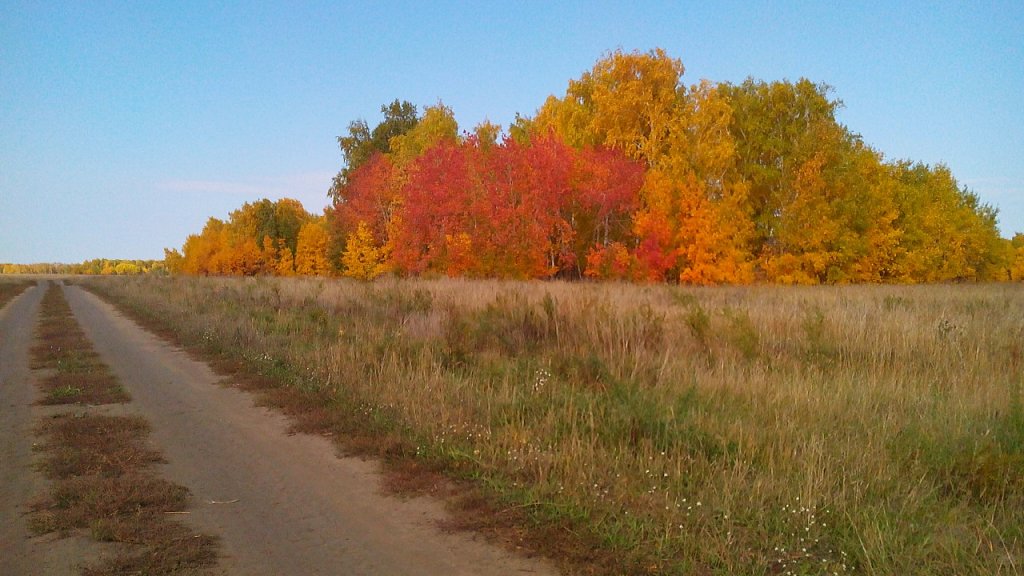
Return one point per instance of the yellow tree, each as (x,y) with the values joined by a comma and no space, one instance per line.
(804,248)
(626,102)
(437,124)
(715,226)
(362,259)
(285,265)
(1017,263)
(311,253)
(173,261)
(694,222)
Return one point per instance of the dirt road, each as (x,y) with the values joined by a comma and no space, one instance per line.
(17,482)
(281,504)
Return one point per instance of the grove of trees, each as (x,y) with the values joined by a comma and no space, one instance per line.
(633,175)
(98,266)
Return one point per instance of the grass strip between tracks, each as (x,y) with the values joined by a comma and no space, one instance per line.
(99,466)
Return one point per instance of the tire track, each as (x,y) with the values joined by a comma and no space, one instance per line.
(17,483)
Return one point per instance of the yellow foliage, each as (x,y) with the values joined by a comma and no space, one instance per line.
(311,253)
(285,260)
(1017,264)
(628,102)
(362,259)
(438,124)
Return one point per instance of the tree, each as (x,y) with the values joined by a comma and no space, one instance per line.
(777,128)
(626,102)
(285,260)
(1017,264)
(311,253)
(362,258)
(173,261)
(280,220)
(361,143)
(436,201)
(947,234)
(437,125)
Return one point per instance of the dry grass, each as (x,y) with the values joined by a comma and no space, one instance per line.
(10,288)
(99,465)
(76,373)
(756,430)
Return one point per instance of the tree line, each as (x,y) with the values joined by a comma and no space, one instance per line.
(98,266)
(630,175)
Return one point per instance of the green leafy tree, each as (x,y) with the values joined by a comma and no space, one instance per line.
(361,143)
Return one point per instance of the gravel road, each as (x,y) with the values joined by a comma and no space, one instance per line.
(282,504)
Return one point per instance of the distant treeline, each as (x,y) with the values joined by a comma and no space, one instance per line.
(99,266)
(631,175)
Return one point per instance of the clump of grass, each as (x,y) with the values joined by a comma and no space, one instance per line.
(102,484)
(83,445)
(586,418)
(699,323)
(743,334)
(820,345)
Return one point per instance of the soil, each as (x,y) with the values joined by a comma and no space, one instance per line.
(280,504)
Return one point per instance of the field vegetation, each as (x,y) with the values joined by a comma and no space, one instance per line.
(11,288)
(659,429)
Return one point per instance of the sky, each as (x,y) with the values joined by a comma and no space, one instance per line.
(125,126)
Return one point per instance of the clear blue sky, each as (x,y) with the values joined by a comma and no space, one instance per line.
(124,126)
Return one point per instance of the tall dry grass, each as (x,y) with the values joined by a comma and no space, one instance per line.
(757,430)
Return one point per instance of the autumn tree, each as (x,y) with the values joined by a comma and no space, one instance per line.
(311,252)
(626,102)
(361,143)
(437,125)
(436,204)
(630,175)
(173,261)
(362,258)
(285,264)
(947,233)
(1017,257)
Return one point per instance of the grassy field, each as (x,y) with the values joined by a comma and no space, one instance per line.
(659,429)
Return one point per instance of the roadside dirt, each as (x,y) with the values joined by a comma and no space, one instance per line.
(281,504)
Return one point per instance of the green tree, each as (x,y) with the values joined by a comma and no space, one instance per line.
(437,125)
(361,143)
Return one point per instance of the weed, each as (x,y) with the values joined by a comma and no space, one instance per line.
(893,303)
(63,394)
(820,346)
(743,334)
(700,323)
